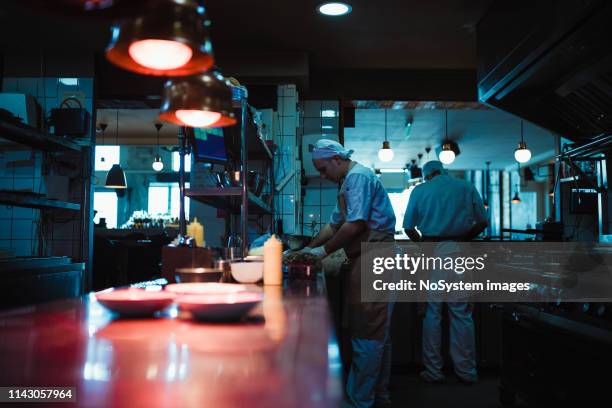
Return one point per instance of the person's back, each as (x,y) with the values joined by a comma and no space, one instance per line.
(445,207)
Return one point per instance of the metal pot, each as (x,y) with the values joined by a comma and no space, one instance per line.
(188,275)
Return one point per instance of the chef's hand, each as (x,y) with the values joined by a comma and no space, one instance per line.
(319,252)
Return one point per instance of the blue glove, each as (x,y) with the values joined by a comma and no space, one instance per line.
(319,252)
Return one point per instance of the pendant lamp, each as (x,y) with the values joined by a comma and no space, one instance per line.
(116,177)
(169,39)
(203,100)
(158,165)
(385,154)
(447,154)
(522,154)
(516,199)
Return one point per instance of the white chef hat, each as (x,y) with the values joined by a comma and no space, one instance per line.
(326,149)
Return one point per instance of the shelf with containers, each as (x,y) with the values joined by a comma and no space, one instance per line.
(61,228)
(248,151)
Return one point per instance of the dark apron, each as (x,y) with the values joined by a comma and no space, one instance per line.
(365,320)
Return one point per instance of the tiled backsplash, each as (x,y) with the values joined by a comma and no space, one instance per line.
(320,196)
(22,169)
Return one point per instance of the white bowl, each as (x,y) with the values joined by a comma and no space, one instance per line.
(247,271)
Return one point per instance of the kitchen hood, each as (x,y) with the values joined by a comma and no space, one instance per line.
(549,62)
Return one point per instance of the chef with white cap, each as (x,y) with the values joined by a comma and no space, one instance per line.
(363,214)
(446,209)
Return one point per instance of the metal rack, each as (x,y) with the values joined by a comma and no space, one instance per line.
(240,199)
(28,136)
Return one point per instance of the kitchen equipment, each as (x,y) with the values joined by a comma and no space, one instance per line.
(135,302)
(196,230)
(187,275)
(225,266)
(302,272)
(255,182)
(70,121)
(219,307)
(205,288)
(247,271)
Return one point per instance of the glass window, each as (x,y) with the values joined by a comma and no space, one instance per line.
(399,202)
(105,203)
(164,198)
(176,162)
(158,200)
(175,201)
(110,154)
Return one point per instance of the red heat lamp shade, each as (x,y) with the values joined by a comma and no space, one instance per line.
(199,101)
(171,39)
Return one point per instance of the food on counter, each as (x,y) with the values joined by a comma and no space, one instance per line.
(302,259)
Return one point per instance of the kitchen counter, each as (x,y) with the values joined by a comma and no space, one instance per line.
(284,354)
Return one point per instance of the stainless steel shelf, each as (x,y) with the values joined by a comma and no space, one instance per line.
(226,199)
(29,136)
(27,200)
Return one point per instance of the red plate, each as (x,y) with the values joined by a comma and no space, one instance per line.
(135,302)
(231,306)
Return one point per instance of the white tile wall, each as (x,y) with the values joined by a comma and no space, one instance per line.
(18,225)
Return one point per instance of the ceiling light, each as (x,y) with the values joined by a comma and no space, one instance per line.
(158,165)
(334,9)
(516,199)
(116,176)
(449,149)
(447,156)
(161,55)
(522,154)
(385,154)
(200,101)
(170,39)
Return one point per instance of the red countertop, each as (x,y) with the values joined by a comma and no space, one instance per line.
(283,355)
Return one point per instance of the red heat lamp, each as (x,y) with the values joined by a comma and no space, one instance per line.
(171,39)
(203,100)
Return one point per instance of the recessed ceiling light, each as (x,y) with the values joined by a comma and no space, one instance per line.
(334,8)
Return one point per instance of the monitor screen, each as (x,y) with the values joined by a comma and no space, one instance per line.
(209,145)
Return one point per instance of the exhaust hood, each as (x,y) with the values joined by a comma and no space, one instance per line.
(549,62)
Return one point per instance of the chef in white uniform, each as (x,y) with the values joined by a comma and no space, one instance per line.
(446,209)
(363,214)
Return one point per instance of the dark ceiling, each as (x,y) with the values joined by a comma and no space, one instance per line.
(274,40)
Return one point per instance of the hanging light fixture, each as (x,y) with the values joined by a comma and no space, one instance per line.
(516,199)
(103,127)
(449,149)
(170,39)
(203,100)
(116,177)
(158,165)
(385,154)
(522,154)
